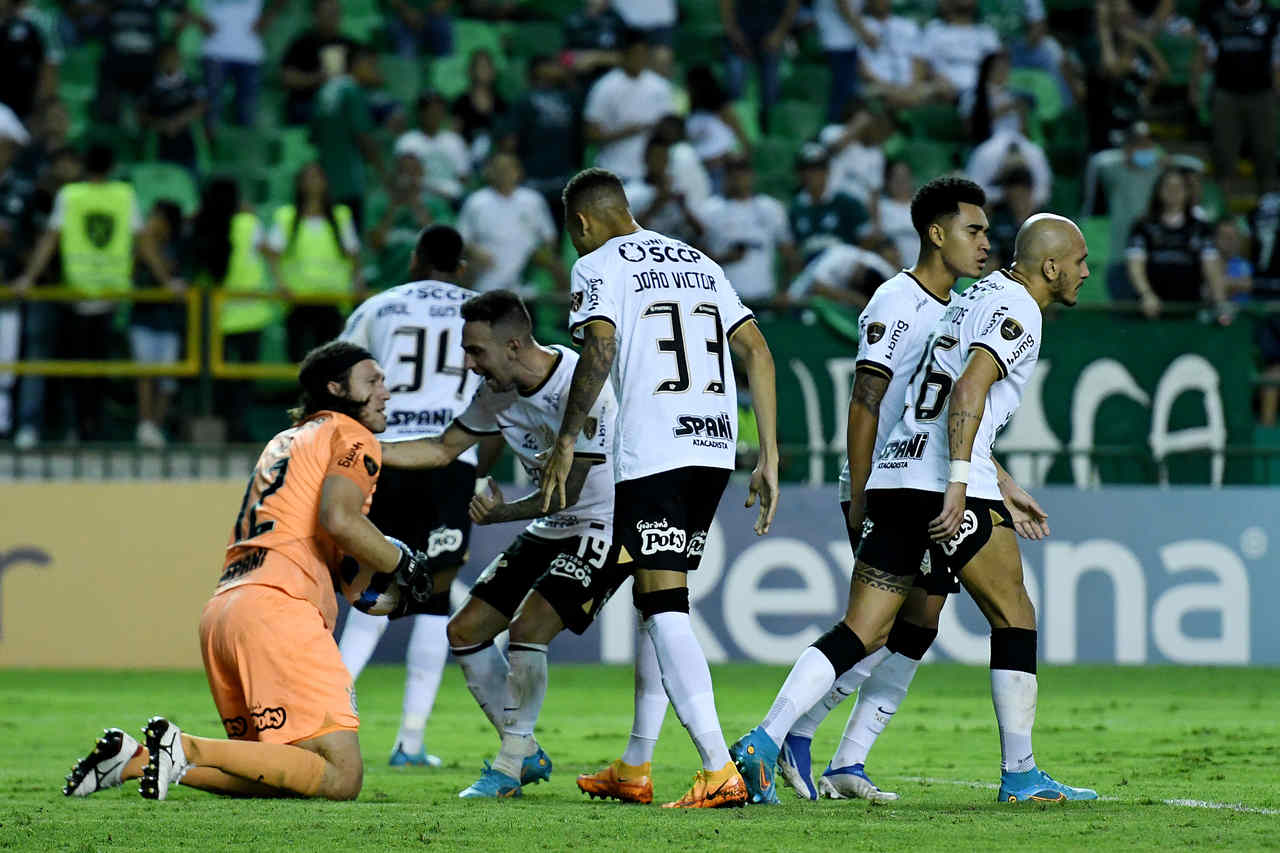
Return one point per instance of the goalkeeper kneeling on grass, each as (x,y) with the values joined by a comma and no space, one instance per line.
(281,689)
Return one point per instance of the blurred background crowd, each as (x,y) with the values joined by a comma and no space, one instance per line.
(298,146)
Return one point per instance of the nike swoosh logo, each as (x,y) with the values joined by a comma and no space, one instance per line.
(882,710)
(716,792)
(764,780)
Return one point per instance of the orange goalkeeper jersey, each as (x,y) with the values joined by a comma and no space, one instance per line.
(278,516)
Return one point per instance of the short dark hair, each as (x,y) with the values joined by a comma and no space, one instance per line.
(497,307)
(440,247)
(426,99)
(942,197)
(99,159)
(331,362)
(590,187)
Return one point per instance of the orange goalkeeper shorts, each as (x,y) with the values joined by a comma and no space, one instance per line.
(274,670)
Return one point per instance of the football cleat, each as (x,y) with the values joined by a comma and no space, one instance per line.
(167,761)
(846,783)
(756,756)
(491,785)
(104,767)
(713,789)
(795,766)
(400,758)
(618,781)
(1035,785)
(535,768)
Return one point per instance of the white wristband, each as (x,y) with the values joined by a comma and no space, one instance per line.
(959,471)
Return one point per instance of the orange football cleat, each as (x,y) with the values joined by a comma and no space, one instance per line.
(624,782)
(714,789)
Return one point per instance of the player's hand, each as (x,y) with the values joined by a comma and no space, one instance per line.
(485,501)
(1150,305)
(554,475)
(947,523)
(764,484)
(413,575)
(857,510)
(1029,519)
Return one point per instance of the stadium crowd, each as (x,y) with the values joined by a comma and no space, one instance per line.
(300,147)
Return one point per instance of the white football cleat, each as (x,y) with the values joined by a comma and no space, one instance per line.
(167,762)
(846,783)
(103,767)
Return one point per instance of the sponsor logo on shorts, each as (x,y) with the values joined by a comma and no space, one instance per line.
(875,332)
(968,525)
(268,718)
(1010,329)
(926,563)
(658,536)
(235,726)
(697,543)
(353,453)
(706,431)
(867,524)
(443,539)
(572,567)
(370,465)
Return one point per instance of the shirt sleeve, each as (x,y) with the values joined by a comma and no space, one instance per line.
(466,217)
(597,109)
(359,328)
(544,228)
(882,334)
(733,314)
(355,454)
(780,225)
(1009,334)
(350,239)
(275,238)
(1137,245)
(59,211)
(591,298)
(478,418)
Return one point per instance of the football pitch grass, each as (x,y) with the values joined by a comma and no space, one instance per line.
(1182,757)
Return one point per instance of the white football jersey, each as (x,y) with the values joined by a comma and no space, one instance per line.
(999,316)
(530,421)
(673,312)
(893,329)
(415,333)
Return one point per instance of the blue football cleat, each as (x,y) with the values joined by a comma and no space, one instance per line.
(535,768)
(756,756)
(491,784)
(796,766)
(846,783)
(1035,785)
(400,758)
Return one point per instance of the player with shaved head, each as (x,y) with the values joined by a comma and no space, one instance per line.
(936,483)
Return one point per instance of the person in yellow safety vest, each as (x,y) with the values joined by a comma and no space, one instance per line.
(97,226)
(228,240)
(312,249)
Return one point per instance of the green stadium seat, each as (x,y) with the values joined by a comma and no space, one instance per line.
(1041,85)
(929,159)
(1097,236)
(1212,199)
(700,45)
(531,38)
(934,122)
(294,149)
(78,74)
(240,148)
(701,13)
(748,117)
(1179,51)
(469,35)
(448,75)
(774,160)
(155,181)
(805,81)
(401,77)
(797,120)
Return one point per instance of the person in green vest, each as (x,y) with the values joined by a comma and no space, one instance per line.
(397,216)
(342,129)
(312,249)
(227,243)
(97,227)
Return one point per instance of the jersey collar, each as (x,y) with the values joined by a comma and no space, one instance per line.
(927,291)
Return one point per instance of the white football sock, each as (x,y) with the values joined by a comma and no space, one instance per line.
(428,648)
(360,637)
(687,679)
(845,687)
(527,686)
(878,700)
(1014,695)
(486,671)
(650,703)
(811,678)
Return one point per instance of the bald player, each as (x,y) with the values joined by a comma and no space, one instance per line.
(970,380)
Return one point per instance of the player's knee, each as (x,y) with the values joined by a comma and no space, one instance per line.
(674,600)
(536,622)
(842,647)
(347,781)
(464,630)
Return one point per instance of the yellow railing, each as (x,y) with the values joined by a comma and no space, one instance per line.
(219,368)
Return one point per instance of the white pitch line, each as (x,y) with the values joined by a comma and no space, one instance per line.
(1190,804)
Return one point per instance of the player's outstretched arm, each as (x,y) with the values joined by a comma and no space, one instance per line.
(869,386)
(964,415)
(749,345)
(1028,517)
(489,506)
(599,349)
(434,452)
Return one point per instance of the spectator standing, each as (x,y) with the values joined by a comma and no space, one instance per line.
(955,44)
(233,54)
(545,133)
(1239,42)
(94,224)
(312,249)
(155,328)
(172,107)
(893,211)
(713,127)
(480,109)
(446,163)
(227,241)
(755,30)
(623,107)
(746,231)
(317,54)
(420,27)
(1171,256)
(841,30)
(342,127)
(1033,47)
(593,40)
(506,226)
(1264,224)
(397,216)
(17,191)
(1124,71)
(22,61)
(133,31)
(657,202)
(821,215)
(1127,176)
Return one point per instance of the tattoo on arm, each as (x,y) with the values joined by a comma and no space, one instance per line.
(868,391)
(960,434)
(598,353)
(880,579)
(530,506)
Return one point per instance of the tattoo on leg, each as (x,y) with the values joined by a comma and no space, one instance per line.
(880,579)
